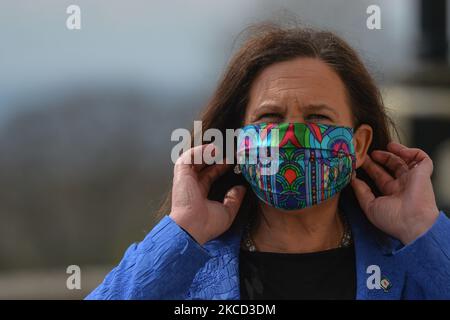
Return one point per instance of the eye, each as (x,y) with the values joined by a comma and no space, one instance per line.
(270,117)
(316,117)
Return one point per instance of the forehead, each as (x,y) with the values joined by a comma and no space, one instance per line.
(305,80)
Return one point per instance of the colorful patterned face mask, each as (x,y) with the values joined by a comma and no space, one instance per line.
(294,165)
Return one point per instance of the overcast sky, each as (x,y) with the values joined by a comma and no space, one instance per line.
(171,45)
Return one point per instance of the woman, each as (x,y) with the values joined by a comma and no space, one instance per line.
(318,230)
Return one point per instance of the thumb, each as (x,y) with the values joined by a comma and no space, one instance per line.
(232,201)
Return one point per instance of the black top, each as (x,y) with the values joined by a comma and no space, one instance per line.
(327,274)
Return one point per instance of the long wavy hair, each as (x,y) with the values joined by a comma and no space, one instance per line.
(264,45)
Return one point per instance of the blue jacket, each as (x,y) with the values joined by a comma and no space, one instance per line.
(170,264)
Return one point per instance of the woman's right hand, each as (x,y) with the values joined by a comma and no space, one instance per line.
(202,218)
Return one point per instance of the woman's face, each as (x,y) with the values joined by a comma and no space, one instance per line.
(304,90)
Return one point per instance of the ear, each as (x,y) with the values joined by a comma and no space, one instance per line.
(362,139)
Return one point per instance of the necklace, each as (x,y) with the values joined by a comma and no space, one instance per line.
(346,239)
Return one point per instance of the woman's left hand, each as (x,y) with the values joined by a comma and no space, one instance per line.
(407,208)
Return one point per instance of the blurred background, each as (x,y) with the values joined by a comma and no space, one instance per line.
(86,115)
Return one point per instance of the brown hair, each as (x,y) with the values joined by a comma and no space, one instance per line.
(269,44)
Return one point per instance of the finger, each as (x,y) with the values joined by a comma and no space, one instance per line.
(407,154)
(191,159)
(363,193)
(211,155)
(211,173)
(413,157)
(233,200)
(391,161)
(412,165)
(381,177)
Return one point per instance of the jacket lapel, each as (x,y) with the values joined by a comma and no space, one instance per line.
(380,274)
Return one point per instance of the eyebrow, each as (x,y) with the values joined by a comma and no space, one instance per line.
(267,107)
(320,107)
